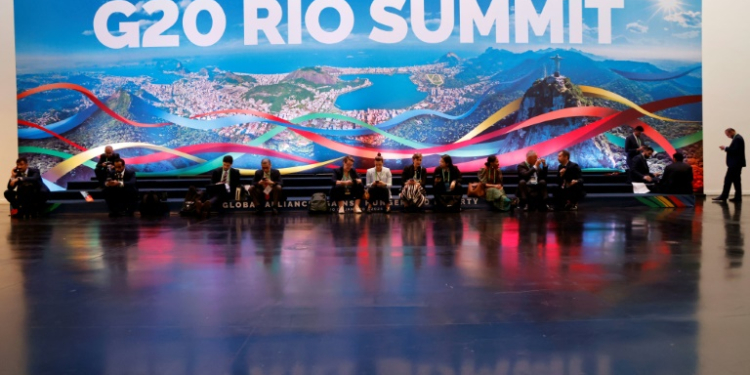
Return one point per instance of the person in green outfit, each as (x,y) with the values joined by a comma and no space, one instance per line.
(492,180)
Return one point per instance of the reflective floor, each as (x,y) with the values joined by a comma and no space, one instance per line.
(603,292)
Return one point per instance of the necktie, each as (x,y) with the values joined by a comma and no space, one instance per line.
(224,177)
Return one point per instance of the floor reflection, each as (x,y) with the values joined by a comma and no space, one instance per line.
(571,293)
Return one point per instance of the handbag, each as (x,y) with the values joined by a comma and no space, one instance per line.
(476,189)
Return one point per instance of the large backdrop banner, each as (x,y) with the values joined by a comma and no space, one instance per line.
(174,85)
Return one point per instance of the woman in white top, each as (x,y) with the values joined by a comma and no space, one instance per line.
(379,182)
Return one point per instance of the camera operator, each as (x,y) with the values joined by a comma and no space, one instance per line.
(26,192)
(121,191)
(105,165)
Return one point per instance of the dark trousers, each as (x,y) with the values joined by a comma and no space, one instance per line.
(26,200)
(532,194)
(446,199)
(733,176)
(572,194)
(121,200)
(378,194)
(338,193)
(259,197)
(101,175)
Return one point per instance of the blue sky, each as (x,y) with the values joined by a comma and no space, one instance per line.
(62,30)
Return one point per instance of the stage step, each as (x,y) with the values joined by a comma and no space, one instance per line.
(592,201)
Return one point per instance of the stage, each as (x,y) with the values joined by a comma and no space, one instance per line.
(591,292)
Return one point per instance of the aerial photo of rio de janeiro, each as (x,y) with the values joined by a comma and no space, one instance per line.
(175,112)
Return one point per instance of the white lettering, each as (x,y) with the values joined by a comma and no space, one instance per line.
(605,17)
(130,30)
(154,35)
(190,22)
(552,16)
(498,15)
(399,26)
(312,21)
(419,23)
(268,25)
(576,21)
(294,21)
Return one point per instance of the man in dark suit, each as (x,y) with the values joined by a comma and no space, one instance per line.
(570,181)
(633,147)
(266,187)
(641,171)
(121,191)
(105,164)
(26,192)
(735,163)
(224,182)
(677,178)
(532,184)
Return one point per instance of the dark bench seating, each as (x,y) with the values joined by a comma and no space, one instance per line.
(603,191)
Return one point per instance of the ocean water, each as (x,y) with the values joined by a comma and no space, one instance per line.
(387,92)
(285,61)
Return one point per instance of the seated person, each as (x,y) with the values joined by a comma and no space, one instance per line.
(26,192)
(379,182)
(447,184)
(266,187)
(225,181)
(121,191)
(532,184)
(414,177)
(491,179)
(347,185)
(105,164)
(677,178)
(641,171)
(570,183)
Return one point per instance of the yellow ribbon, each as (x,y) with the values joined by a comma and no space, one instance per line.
(66,166)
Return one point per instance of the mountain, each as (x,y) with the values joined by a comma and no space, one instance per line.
(172,66)
(550,94)
(316,76)
(450,60)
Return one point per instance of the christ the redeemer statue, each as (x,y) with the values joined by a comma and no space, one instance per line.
(557,59)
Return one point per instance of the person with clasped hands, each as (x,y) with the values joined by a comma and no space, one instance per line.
(413,193)
(447,184)
(26,192)
(532,184)
(570,183)
(735,162)
(347,185)
(121,191)
(266,187)
(379,183)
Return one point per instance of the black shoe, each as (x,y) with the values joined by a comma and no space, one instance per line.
(274,211)
(736,200)
(719,199)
